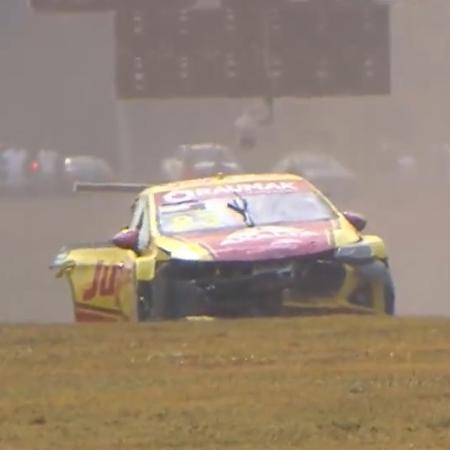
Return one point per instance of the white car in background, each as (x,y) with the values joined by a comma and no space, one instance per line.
(47,172)
(13,173)
(87,168)
(323,170)
(199,161)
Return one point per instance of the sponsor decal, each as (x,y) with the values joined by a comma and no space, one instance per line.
(175,208)
(106,281)
(201,193)
(286,236)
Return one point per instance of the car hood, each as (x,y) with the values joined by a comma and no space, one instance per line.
(260,243)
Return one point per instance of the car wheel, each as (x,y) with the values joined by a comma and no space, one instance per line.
(162,301)
(377,289)
(143,301)
(389,295)
(270,305)
(170,299)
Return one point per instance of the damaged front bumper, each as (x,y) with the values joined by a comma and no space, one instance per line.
(341,279)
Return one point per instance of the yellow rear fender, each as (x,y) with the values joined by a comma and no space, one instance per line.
(101,279)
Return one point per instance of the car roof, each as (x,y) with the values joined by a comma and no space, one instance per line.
(313,156)
(221,180)
(203,146)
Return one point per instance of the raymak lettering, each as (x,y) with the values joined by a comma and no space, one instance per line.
(226,190)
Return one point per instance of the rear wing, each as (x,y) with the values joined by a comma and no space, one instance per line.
(109,187)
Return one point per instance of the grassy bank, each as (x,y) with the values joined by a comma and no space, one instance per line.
(322,383)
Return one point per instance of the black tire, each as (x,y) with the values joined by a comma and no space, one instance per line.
(269,305)
(143,301)
(389,295)
(163,300)
(376,277)
(168,299)
(152,300)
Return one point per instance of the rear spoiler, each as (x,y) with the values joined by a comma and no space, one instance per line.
(109,187)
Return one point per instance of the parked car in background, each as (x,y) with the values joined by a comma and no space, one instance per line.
(13,170)
(23,172)
(323,170)
(199,161)
(88,169)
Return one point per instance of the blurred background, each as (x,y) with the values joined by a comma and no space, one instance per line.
(57,91)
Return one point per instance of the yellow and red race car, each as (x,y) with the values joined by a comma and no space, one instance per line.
(229,246)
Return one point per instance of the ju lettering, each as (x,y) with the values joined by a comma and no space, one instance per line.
(103,283)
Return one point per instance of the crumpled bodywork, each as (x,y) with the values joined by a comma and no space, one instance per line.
(101,279)
(312,264)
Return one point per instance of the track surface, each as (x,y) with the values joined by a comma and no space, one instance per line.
(415,227)
(32,231)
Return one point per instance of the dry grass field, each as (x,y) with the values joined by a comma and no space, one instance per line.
(329,383)
(322,383)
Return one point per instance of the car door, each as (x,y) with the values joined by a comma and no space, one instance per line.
(101,280)
(102,277)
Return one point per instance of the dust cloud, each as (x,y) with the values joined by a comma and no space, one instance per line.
(57,90)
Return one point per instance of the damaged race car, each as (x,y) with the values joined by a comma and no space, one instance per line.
(228,246)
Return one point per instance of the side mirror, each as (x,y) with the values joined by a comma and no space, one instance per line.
(357,220)
(126,239)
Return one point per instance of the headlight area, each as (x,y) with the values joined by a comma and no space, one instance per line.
(364,261)
(185,254)
(354,254)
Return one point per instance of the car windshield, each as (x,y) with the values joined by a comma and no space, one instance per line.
(219,213)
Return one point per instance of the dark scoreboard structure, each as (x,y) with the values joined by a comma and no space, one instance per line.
(245,48)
